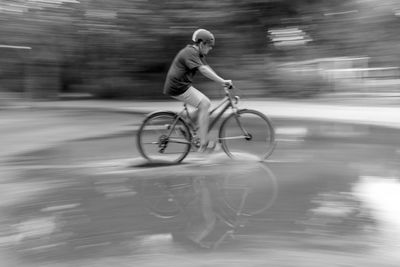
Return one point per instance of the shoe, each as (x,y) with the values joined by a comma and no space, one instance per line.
(209,147)
(216,146)
(202,148)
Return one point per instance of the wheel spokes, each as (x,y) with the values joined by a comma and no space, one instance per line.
(247,133)
(234,137)
(164,137)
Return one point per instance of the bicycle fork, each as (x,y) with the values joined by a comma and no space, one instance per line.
(246,135)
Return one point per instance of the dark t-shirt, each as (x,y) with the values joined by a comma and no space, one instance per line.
(183,68)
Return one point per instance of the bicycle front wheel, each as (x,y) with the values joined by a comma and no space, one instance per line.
(158,199)
(163,137)
(247,134)
(249,188)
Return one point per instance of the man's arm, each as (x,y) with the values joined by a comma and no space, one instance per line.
(210,73)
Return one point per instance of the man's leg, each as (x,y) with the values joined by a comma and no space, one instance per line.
(203,120)
(198,100)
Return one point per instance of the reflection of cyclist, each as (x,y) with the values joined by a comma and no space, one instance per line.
(179,79)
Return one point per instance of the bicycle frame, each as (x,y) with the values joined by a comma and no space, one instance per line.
(227,102)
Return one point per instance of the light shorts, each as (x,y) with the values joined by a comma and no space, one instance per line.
(192,97)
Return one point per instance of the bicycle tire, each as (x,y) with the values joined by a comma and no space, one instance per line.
(261,141)
(150,136)
(158,200)
(249,189)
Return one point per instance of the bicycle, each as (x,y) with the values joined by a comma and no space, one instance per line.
(166,136)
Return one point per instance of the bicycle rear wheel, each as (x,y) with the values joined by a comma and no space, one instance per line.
(247,134)
(159,140)
(166,197)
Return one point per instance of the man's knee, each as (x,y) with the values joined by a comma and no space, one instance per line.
(205,103)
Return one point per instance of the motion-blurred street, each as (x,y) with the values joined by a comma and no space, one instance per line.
(72,194)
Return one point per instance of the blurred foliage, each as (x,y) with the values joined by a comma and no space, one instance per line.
(123,48)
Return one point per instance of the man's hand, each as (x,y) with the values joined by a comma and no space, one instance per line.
(228,83)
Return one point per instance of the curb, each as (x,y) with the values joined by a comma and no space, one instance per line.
(331,127)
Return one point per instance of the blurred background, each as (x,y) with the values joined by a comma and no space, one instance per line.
(72,181)
(123,48)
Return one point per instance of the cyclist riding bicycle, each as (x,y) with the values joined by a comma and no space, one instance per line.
(178,83)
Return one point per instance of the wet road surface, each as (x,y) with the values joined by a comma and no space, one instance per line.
(82,203)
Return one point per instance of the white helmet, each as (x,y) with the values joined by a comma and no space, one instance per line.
(202,35)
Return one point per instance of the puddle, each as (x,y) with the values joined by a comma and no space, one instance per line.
(369,215)
(382,196)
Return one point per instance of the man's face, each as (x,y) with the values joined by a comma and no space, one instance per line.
(205,48)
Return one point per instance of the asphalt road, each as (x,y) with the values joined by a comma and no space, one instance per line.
(82,202)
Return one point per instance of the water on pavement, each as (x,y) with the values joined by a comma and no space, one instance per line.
(330,193)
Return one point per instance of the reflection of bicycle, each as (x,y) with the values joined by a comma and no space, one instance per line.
(248,189)
(169,136)
(167,197)
(244,189)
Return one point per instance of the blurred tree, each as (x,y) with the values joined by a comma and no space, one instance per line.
(123,48)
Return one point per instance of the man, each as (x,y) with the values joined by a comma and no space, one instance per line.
(180,76)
